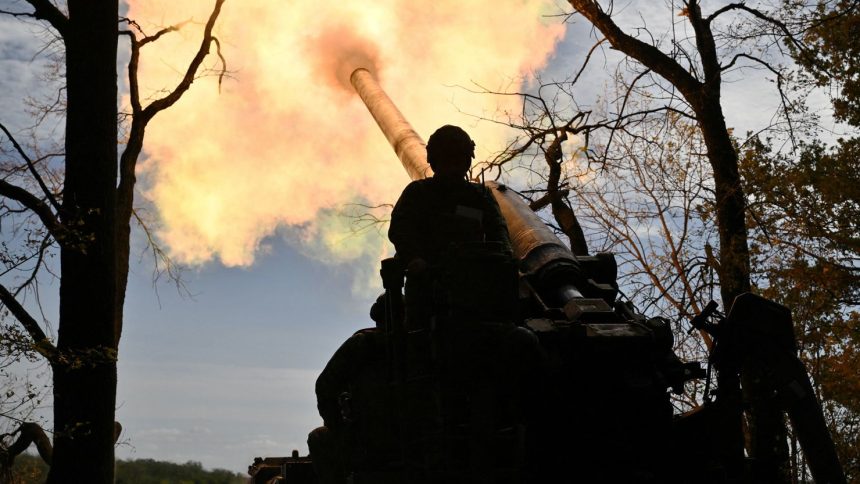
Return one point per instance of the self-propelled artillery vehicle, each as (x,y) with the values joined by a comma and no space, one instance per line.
(530,369)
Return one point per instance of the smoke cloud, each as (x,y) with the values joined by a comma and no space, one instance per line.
(286,144)
(337,52)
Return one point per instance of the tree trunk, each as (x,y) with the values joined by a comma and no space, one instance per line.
(85,377)
(703,95)
(734,267)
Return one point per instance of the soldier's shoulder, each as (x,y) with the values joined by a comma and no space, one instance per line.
(415,187)
(358,343)
(366,331)
(420,182)
(369,341)
(367,336)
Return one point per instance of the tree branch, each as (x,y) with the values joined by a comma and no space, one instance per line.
(32,168)
(756,13)
(724,9)
(705,44)
(133,85)
(40,257)
(781,26)
(163,263)
(190,73)
(627,93)
(45,10)
(30,433)
(779,87)
(173,28)
(18,14)
(34,204)
(41,343)
(546,199)
(650,56)
(563,213)
(587,59)
(140,118)
(223,62)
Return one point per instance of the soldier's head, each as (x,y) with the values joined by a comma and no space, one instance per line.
(450,151)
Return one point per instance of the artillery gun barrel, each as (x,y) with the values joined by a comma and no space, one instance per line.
(408,146)
(537,248)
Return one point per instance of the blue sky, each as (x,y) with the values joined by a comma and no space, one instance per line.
(227,373)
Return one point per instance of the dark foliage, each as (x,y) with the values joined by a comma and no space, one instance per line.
(29,469)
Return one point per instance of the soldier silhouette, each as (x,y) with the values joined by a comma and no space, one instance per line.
(433,220)
(434,213)
(355,374)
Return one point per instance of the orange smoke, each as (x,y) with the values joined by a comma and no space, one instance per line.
(284,144)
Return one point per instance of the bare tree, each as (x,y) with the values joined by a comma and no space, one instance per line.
(630,191)
(647,197)
(83,211)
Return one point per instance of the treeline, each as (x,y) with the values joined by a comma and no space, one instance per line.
(30,469)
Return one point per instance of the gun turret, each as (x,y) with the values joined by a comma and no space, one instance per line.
(551,271)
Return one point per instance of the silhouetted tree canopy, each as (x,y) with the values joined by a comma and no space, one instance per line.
(29,469)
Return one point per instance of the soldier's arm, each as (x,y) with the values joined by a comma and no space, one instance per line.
(327,404)
(404,231)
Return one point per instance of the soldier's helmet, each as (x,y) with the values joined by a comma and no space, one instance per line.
(449,143)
